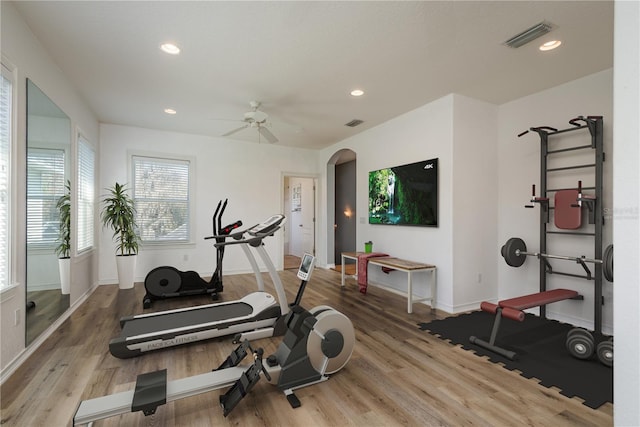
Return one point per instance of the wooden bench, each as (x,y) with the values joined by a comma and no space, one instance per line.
(398,264)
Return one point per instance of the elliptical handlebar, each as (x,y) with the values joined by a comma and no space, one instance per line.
(258,232)
(226,231)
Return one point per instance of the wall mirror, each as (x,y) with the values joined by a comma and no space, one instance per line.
(48,212)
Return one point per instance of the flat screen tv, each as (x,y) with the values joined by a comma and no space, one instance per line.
(405,195)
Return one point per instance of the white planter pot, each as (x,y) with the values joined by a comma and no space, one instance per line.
(64,265)
(126,270)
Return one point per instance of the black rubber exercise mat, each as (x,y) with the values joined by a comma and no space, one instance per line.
(542,354)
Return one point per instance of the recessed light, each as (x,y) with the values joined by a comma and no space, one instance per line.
(170,111)
(170,48)
(357,92)
(550,45)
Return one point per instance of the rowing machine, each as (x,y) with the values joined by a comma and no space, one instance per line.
(317,343)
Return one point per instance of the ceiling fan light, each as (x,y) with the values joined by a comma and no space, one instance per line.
(357,92)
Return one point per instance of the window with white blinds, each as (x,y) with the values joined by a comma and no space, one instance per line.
(86,201)
(6,90)
(161,195)
(45,185)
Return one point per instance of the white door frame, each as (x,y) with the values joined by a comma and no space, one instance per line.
(283,194)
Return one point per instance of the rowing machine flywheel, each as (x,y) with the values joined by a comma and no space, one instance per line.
(332,338)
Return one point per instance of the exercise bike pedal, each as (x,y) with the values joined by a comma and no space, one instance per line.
(293,400)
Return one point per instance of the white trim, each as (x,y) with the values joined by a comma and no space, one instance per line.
(192,191)
(9,71)
(6,294)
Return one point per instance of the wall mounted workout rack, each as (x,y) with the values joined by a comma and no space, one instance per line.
(594,124)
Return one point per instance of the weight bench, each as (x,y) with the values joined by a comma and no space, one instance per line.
(512,309)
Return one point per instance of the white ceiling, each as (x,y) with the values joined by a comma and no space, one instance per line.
(301,59)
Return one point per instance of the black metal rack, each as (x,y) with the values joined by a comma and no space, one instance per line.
(594,125)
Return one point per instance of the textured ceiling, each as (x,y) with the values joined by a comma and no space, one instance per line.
(301,59)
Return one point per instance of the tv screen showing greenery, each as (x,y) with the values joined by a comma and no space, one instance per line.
(405,195)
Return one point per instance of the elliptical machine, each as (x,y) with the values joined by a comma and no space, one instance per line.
(169,282)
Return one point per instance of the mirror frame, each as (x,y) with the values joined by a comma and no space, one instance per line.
(49,128)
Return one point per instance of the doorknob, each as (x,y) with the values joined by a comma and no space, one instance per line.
(300,225)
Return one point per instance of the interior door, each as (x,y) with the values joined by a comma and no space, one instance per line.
(302,191)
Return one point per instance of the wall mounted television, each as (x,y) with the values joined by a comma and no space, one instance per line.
(405,195)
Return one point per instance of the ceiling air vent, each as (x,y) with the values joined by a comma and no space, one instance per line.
(528,35)
(353,123)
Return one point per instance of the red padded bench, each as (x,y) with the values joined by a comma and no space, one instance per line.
(512,309)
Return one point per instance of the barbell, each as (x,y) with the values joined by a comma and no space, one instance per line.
(515,253)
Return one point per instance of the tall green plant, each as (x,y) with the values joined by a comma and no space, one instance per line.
(119,214)
(63,205)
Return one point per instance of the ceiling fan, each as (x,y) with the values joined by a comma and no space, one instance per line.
(256,119)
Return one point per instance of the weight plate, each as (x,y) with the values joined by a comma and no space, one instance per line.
(607,263)
(509,250)
(580,346)
(581,332)
(163,280)
(604,352)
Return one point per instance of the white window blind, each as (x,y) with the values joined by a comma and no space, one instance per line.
(5,163)
(161,195)
(86,186)
(45,185)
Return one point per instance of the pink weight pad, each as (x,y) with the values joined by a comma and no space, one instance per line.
(567,214)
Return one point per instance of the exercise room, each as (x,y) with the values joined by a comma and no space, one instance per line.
(320,213)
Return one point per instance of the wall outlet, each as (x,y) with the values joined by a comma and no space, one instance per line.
(16,317)
(479,277)
(361,220)
(185,257)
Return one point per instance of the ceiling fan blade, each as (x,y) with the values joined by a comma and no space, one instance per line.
(235,130)
(267,134)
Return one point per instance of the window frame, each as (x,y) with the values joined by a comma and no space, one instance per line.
(8,71)
(82,140)
(191,161)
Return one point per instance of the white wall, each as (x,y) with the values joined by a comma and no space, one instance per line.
(24,52)
(246,173)
(475,203)
(461,133)
(626,213)
(519,168)
(422,134)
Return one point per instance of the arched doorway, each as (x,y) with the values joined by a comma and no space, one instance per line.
(341,204)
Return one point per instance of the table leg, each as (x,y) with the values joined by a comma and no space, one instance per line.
(342,272)
(434,285)
(409,294)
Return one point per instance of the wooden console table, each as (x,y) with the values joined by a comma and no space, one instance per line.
(408,267)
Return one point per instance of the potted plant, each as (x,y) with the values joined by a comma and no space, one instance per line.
(119,214)
(63,249)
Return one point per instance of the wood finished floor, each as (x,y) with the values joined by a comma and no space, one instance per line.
(49,306)
(398,375)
